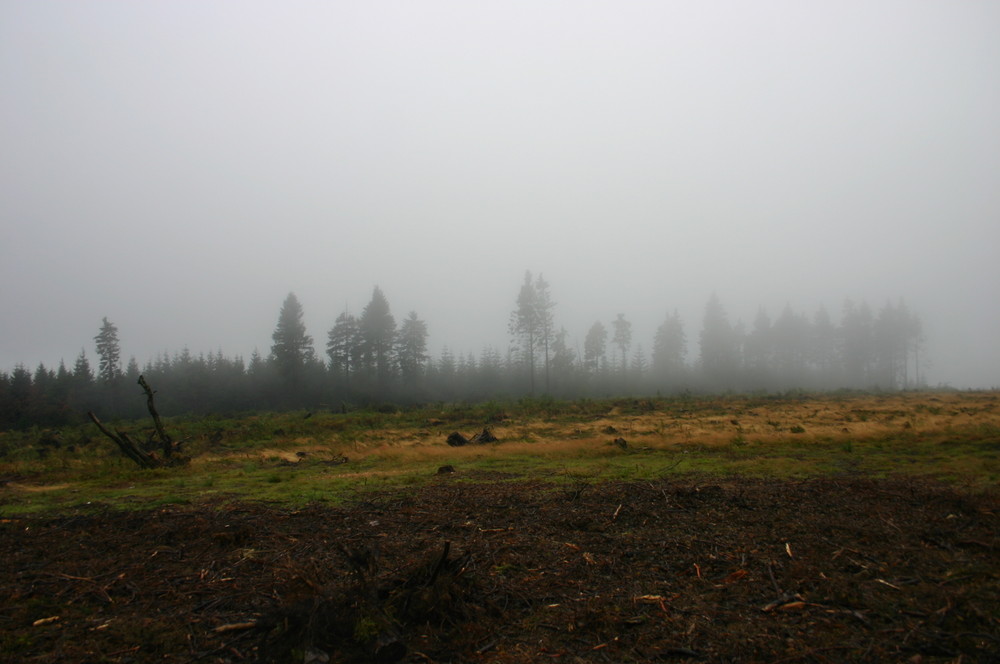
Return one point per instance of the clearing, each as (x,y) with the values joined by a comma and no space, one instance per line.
(837,560)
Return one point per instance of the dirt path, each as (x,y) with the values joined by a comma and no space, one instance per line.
(690,569)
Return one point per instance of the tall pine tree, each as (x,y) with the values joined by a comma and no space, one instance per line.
(343,347)
(622,338)
(411,349)
(527,326)
(109,366)
(378,333)
(292,349)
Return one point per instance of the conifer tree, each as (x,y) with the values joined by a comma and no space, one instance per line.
(823,347)
(639,364)
(669,348)
(82,375)
(857,351)
(758,349)
(109,366)
(292,349)
(546,322)
(378,334)
(563,359)
(343,347)
(595,347)
(526,326)
(622,338)
(411,350)
(719,347)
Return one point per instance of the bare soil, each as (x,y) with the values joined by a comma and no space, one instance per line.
(498,570)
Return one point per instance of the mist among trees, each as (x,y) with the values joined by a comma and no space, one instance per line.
(371,360)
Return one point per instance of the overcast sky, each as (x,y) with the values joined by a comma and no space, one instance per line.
(180,166)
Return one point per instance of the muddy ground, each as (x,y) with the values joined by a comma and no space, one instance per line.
(682,569)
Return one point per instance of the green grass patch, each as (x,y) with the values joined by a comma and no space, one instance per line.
(297,458)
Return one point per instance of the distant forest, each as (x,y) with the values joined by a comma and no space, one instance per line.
(373,360)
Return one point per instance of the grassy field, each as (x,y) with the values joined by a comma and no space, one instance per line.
(298,458)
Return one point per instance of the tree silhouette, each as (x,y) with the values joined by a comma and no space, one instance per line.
(527,325)
(669,348)
(790,334)
(897,335)
(795,351)
(82,375)
(378,334)
(856,329)
(109,366)
(292,349)
(823,347)
(622,338)
(563,361)
(595,347)
(343,347)
(411,351)
(719,348)
(546,322)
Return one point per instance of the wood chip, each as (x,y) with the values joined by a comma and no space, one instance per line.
(886,583)
(649,599)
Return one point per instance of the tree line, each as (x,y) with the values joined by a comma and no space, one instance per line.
(370,359)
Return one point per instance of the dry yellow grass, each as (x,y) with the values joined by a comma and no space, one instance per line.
(759,421)
(37,488)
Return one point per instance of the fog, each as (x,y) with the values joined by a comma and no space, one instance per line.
(180,167)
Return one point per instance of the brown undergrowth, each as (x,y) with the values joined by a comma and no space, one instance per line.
(690,568)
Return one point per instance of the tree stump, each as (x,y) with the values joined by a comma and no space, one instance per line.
(455,439)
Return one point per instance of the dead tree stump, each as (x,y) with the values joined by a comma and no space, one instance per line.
(455,439)
(133,450)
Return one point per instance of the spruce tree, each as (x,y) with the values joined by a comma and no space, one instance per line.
(343,347)
(412,348)
(109,366)
(378,332)
(292,349)
(82,374)
(669,348)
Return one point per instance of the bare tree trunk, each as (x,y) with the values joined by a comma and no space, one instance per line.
(165,439)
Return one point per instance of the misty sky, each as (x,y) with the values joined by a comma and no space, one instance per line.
(180,166)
